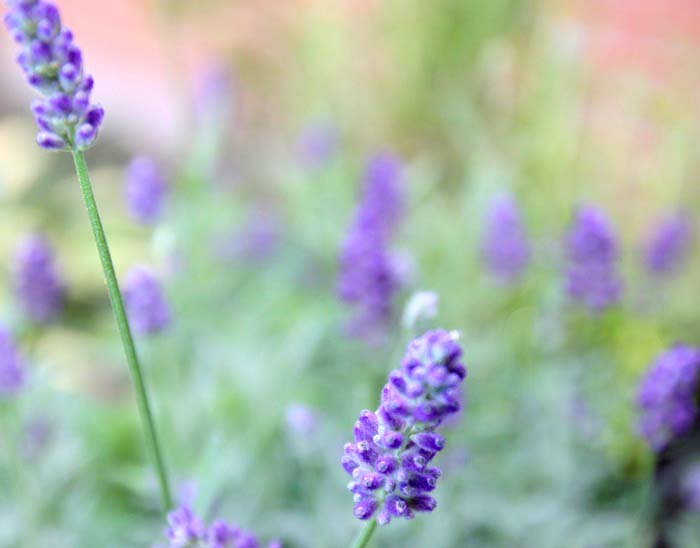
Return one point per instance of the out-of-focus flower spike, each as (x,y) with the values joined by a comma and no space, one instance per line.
(592,254)
(11,368)
(145,301)
(505,248)
(38,287)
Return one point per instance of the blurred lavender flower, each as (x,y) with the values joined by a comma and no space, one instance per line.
(213,91)
(592,253)
(145,302)
(145,190)
(186,530)
(53,65)
(316,145)
(367,278)
(37,286)
(301,420)
(668,246)
(691,487)
(505,247)
(11,369)
(422,305)
(668,396)
(389,458)
(256,241)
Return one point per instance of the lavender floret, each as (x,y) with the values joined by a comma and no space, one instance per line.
(53,65)
(505,247)
(11,368)
(668,246)
(367,278)
(145,302)
(592,254)
(145,190)
(184,529)
(668,396)
(389,460)
(38,287)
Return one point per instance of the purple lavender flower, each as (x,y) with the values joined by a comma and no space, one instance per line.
(53,65)
(37,285)
(317,144)
(145,190)
(11,369)
(592,253)
(256,241)
(145,303)
(667,396)
(367,279)
(389,459)
(186,530)
(505,247)
(668,246)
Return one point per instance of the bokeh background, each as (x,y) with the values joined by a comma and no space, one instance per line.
(262,115)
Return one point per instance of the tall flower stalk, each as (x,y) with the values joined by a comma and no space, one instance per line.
(68,121)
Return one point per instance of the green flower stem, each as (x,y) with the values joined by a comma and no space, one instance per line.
(115,297)
(363,537)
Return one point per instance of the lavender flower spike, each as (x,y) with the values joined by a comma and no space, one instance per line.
(667,396)
(505,247)
(592,254)
(145,190)
(389,460)
(186,530)
(53,65)
(146,307)
(668,246)
(11,370)
(37,285)
(367,278)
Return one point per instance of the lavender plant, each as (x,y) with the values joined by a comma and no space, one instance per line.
(505,247)
(367,278)
(667,396)
(186,530)
(68,120)
(145,190)
(668,246)
(146,307)
(592,254)
(389,459)
(11,368)
(38,287)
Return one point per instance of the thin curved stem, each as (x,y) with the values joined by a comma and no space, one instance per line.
(364,536)
(115,297)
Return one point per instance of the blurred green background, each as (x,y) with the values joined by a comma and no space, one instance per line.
(542,99)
